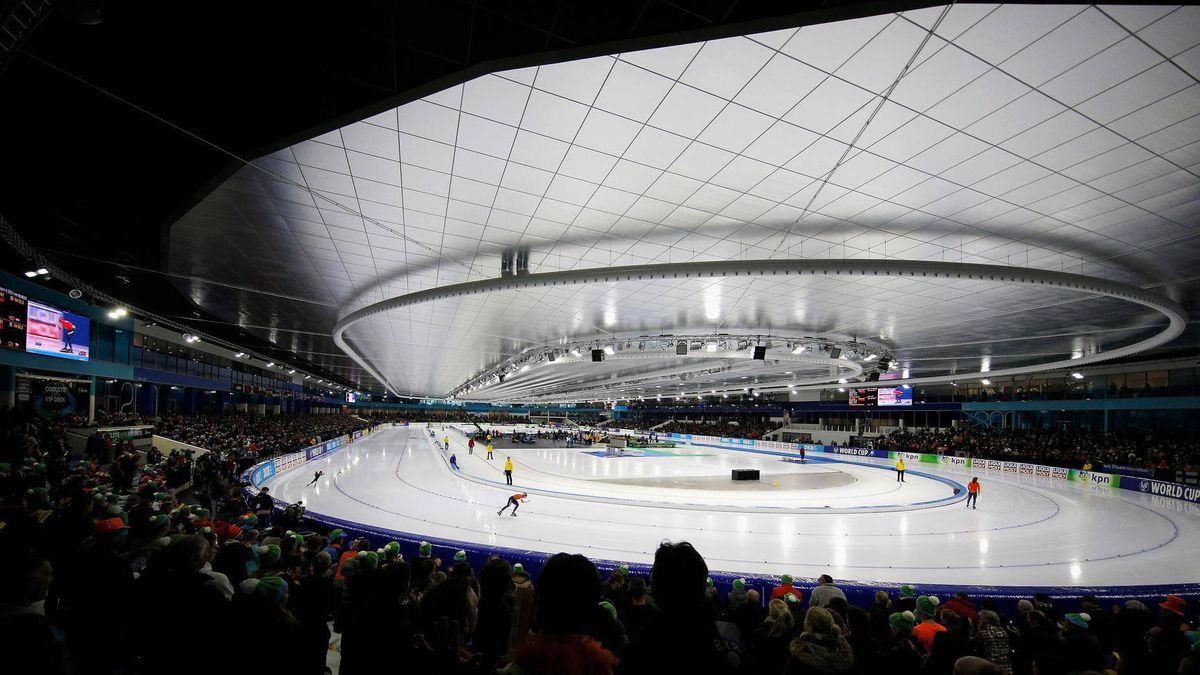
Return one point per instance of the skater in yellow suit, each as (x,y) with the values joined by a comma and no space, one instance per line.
(508,467)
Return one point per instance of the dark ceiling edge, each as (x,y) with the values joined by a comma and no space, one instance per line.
(793,20)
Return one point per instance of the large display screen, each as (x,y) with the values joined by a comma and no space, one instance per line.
(351,397)
(12,320)
(897,396)
(863,397)
(55,332)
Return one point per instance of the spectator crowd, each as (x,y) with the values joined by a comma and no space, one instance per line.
(111,570)
(1072,449)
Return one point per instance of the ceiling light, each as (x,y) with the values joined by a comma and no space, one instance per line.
(292,372)
(43,270)
(608,349)
(906,386)
(842,381)
(1078,376)
(31,274)
(271,364)
(113,315)
(791,386)
(239,355)
(985,381)
(841,389)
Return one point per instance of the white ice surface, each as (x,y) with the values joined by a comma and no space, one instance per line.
(1026,531)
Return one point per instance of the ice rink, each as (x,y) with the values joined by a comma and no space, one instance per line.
(850,519)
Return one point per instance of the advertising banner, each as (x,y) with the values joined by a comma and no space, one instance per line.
(52,397)
(956,462)
(288,461)
(1187,493)
(854,452)
(1124,470)
(262,473)
(1094,478)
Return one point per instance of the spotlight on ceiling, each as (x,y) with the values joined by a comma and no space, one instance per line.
(608,349)
(271,364)
(239,355)
(31,274)
(985,381)
(1078,376)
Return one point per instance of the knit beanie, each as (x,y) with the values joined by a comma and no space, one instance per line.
(608,607)
(519,570)
(268,555)
(392,546)
(425,550)
(460,556)
(368,559)
(907,591)
(623,569)
(247,586)
(335,535)
(159,520)
(708,582)
(739,584)
(926,604)
(902,622)
(272,589)
(1082,619)
(786,580)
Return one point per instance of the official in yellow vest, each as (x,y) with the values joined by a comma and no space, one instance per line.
(900,470)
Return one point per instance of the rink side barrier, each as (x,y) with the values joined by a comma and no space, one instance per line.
(1158,488)
(859,593)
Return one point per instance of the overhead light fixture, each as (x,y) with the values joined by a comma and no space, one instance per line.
(608,349)
(292,372)
(1078,376)
(842,381)
(239,355)
(906,386)
(307,376)
(985,381)
(271,364)
(842,389)
(43,270)
(31,274)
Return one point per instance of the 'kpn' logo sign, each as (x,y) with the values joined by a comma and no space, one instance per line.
(1095,478)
